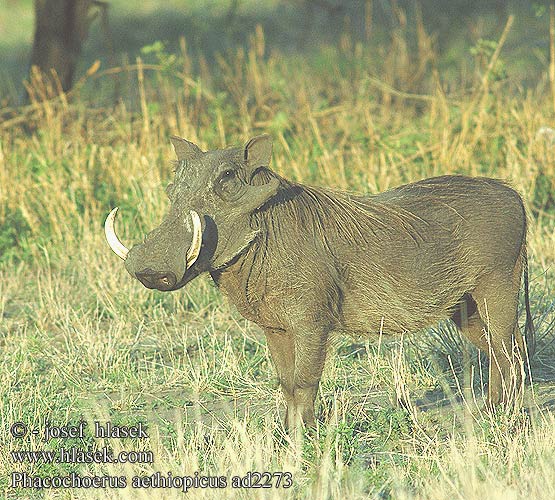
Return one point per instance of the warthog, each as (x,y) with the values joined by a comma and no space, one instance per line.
(305,263)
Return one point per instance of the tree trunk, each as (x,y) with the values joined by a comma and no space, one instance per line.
(60,29)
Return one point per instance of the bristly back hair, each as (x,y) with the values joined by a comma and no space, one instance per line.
(326,212)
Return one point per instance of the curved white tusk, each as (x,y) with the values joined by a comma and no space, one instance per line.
(194,249)
(115,244)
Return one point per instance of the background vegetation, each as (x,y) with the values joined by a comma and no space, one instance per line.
(363,97)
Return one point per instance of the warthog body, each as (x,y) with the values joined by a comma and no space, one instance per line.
(304,262)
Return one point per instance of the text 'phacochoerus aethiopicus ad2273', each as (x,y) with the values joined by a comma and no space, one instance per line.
(305,263)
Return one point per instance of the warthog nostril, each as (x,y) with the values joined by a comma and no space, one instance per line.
(156,279)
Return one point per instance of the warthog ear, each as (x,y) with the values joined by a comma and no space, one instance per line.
(185,150)
(258,152)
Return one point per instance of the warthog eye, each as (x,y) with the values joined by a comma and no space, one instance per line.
(226,176)
(227,185)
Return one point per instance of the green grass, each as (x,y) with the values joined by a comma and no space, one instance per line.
(80,339)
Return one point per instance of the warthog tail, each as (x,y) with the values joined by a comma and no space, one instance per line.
(529,330)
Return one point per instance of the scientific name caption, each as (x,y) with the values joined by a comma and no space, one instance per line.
(105,455)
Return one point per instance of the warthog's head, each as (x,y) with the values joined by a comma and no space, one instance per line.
(212,197)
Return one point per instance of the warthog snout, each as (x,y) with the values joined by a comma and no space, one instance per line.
(157,280)
(150,262)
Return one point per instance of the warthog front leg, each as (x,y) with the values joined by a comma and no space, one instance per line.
(299,359)
(282,350)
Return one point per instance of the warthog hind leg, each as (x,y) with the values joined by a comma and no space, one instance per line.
(493,328)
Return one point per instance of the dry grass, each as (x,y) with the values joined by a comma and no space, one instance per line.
(79,338)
